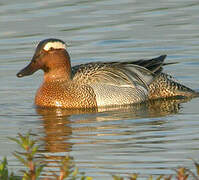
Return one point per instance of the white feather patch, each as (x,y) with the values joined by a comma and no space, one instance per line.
(54,45)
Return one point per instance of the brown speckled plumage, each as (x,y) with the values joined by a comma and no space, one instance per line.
(98,84)
(66,95)
(165,86)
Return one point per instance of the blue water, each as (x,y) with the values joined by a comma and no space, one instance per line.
(151,139)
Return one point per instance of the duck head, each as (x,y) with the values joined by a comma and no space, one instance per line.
(50,56)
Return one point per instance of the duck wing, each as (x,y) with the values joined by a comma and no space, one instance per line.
(113,73)
(154,65)
(118,83)
(141,72)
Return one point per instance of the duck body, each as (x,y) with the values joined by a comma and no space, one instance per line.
(65,95)
(93,85)
(98,84)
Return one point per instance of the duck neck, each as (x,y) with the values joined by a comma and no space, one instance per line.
(60,74)
(60,71)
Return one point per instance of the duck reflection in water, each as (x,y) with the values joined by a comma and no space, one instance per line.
(64,128)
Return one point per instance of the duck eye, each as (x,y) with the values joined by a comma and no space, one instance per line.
(34,61)
(37,56)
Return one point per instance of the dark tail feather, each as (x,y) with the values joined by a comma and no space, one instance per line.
(154,65)
(165,64)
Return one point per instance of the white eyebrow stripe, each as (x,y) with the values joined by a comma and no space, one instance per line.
(54,45)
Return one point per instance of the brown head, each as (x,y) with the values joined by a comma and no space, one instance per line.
(50,56)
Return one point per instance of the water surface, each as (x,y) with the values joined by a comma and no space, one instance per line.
(149,139)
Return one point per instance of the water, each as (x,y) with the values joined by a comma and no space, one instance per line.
(151,139)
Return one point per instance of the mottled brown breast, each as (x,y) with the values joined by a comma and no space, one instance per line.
(65,95)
